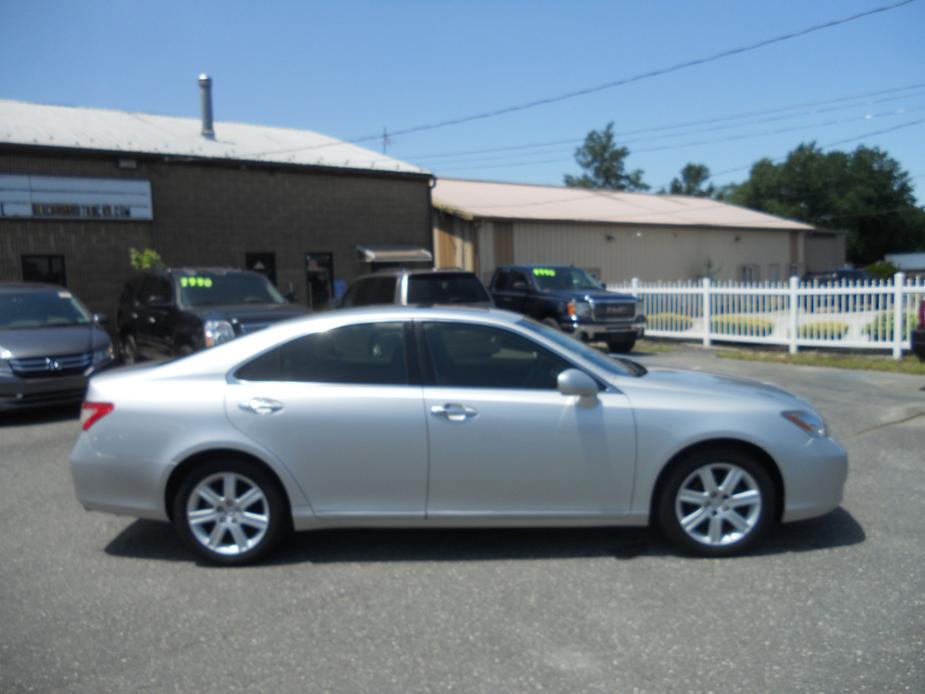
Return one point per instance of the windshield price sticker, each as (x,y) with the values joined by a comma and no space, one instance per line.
(205,282)
(544,272)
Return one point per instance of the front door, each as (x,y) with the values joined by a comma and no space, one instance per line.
(319,278)
(337,408)
(504,442)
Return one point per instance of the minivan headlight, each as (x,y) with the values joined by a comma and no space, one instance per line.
(809,422)
(216,332)
(4,365)
(102,356)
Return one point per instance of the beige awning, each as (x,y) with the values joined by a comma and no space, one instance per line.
(395,254)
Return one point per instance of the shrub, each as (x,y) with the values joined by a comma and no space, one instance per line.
(144,259)
(881,327)
(824,330)
(669,321)
(741,325)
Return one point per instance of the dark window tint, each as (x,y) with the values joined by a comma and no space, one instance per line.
(364,354)
(154,288)
(41,310)
(374,291)
(226,289)
(477,356)
(448,288)
(502,281)
(48,269)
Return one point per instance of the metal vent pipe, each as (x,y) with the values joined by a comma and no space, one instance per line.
(205,93)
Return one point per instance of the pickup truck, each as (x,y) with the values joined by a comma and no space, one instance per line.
(569,299)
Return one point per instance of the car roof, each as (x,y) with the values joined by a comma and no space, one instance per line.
(29,287)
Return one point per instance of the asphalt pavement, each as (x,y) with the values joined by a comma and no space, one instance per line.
(97,603)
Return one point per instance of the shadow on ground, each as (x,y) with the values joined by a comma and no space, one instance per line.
(50,415)
(152,540)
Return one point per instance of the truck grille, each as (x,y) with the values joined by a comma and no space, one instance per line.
(51,366)
(614,311)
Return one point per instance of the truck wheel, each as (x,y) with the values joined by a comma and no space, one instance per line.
(621,344)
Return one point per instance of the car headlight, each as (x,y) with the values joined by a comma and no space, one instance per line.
(4,365)
(578,309)
(809,422)
(216,332)
(102,356)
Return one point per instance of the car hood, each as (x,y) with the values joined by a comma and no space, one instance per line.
(714,384)
(590,295)
(53,341)
(250,313)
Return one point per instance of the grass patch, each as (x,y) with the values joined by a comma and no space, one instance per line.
(669,321)
(868,362)
(656,347)
(741,325)
(824,330)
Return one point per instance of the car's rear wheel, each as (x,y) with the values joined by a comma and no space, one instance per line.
(230,511)
(621,344)
(128,349)
(717,502)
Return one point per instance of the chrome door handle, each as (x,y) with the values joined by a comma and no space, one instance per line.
(453,411)
(261,406)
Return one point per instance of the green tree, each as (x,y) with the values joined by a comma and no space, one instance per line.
(604,164)
(865,192)
(691,182)
(144,259)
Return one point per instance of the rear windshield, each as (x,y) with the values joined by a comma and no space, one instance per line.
(41,310)
(446,289)
(226,289)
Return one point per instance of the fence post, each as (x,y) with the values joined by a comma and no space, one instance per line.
(634,286)
(794,299)
(706,312)
(899,281)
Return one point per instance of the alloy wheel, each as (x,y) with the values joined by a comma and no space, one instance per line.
(718,504)
(228,513)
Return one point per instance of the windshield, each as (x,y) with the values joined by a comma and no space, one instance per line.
(226,289)
(568,278)
(41,310)
(446,289)
(623,367)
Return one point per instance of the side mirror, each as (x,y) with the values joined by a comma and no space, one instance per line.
(155,301)
(575,382)
(100,318)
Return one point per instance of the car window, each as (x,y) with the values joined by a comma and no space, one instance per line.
(446,288)
(519,277)
(567,278)
(477,356)
(199,288)
(156,288)
(371,354)
(41,310)
(373,291)
(502,281)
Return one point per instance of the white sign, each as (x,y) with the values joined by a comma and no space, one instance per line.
(59,197)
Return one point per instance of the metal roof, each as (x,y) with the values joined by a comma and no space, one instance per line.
(490,200)
(40,125)
(394,254)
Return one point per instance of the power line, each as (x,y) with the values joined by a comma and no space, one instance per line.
(620,82)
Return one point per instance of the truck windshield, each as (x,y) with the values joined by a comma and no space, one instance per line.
(226,289)
(41,310)
(568,278)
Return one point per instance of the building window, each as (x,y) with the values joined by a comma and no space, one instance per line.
(264,263)
(749,273)
(47,269)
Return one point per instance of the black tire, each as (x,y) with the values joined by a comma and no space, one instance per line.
(184,350)
(551,322)
(668,507)
(128,349)
(621,344)
(273,505)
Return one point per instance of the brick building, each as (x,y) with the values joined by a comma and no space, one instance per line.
(80,187)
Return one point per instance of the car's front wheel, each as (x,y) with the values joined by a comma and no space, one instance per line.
(230,511)
(717,502)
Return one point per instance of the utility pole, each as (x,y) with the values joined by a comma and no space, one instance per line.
(386,140)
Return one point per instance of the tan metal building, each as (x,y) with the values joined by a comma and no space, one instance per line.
(479,225)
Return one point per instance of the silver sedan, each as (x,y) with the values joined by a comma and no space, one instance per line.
(434,417)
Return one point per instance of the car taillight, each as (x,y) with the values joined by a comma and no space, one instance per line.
(92,412)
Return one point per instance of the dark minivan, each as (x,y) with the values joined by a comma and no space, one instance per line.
(50,344)
(176,311)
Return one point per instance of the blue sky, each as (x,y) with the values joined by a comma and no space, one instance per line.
(349,69)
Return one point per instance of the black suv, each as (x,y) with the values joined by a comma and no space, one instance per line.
(405,287)
(177,311)
(569,299)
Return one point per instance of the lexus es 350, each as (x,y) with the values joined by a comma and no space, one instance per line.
(435,417)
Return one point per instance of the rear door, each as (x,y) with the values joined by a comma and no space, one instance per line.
(340,410)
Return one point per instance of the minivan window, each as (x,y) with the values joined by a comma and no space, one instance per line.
(41,310)
(446,288)
(226,289)
(368,354)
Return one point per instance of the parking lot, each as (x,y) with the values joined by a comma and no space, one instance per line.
(91,602)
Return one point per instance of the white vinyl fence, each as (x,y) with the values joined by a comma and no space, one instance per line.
(872,314)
